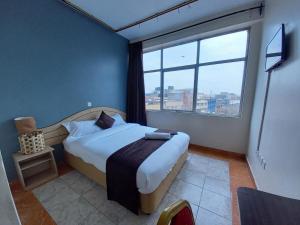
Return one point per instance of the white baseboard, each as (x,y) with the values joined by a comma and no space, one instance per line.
(251,171)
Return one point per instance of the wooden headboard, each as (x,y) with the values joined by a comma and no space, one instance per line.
(56,133)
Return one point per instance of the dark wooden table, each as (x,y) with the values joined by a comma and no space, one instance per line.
(261,208)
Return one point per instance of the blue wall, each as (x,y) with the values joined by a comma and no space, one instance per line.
(52,61)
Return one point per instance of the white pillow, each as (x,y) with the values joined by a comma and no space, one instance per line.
(118,120)
(81,128)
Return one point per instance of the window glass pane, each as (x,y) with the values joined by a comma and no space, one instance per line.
(152,90)
(219,88)
(178,89)
(151,60)
(180,55)
(223,47)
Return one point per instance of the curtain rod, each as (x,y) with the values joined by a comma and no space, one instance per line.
(260,8)
(173,8)
(85,13)
(81,11)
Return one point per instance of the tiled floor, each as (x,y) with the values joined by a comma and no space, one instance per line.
(214,188)
(30,210)
(240,175)
(204,182)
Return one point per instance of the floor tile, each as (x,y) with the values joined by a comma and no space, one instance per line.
(183,190)
(52,190)
(73,212)
(218,163)
(192,177)
(96,218)
(142,219)
(96,196)
(77,182)
(192,165)
(219,172)
(194,210)
(218,186)
(216,203)
(206,217)
(111,209)
(59,198)
(114,211)
(196,158)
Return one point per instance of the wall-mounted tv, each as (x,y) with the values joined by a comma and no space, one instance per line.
(275,52)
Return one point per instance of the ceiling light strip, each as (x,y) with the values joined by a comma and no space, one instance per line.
(260,8)
(176,7)
(81,11)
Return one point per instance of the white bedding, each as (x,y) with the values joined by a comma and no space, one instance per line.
(97,147)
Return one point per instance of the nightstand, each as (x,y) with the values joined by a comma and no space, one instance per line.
(35,169)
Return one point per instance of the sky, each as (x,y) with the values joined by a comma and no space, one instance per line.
(212,79)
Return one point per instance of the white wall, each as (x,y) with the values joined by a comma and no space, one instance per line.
(229,134)
(8,212)
(280,143)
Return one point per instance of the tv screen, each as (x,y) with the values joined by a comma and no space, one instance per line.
(275,52)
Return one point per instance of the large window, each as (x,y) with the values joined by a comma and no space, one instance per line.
(204,76)
(178,89)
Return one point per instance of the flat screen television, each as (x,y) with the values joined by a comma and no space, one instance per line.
(275,51)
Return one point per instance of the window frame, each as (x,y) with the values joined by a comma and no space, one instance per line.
(196,67)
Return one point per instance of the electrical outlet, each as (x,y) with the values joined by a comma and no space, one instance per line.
(264,164)
(259,156)
(257,152)
(89,104)
(261,160)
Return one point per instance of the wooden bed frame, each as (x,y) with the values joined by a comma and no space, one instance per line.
(55,134)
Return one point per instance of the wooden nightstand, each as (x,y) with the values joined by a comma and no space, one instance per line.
(35,169)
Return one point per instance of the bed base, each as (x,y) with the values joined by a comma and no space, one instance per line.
(149,202)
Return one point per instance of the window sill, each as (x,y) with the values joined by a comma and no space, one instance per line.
(195,113)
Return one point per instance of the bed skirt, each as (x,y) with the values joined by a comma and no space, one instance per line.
(149,202)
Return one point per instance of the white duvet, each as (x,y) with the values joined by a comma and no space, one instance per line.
(97,147)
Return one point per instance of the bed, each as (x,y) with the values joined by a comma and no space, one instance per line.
(88,154)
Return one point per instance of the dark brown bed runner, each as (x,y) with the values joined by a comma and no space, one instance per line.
(121,170)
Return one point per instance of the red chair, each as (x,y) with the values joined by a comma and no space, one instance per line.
(178,213)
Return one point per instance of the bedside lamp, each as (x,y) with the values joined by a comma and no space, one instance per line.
(25,125)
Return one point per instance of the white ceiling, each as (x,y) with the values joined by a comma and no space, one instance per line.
(118,13)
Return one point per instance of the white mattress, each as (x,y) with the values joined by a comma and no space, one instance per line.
(97,147)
